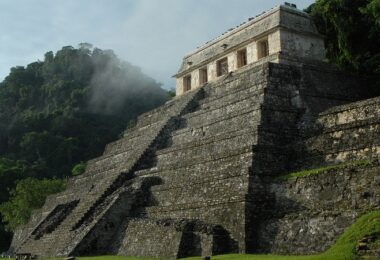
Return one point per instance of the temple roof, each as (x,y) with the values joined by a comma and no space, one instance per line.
(286,16)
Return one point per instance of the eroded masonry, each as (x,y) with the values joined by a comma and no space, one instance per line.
(200,175)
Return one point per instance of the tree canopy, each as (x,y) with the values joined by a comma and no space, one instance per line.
(352,33)
(63,110)
(29,194)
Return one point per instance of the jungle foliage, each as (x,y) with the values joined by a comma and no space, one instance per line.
(60,112)
(352,34)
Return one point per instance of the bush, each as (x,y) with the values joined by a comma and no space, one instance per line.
(29,194)
(78,169)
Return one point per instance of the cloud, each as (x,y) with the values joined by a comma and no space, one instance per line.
(115,84)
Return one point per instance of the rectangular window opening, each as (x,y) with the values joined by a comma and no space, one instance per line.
(262,49)
(203,79)
(222,67)
(241,58)
(186,83)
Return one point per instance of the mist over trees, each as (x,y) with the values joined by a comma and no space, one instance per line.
(59,112)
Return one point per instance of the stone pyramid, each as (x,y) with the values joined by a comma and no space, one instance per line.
(200,174)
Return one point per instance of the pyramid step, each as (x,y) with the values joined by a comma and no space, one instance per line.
(362,110)
(239,159)
(230,123)
(191,139)
(216,123)
(186,177)
(122,145)
(268,134)
(212,103)
(194,193)
(204,117)
(95,170)
(106,163)
(315,159)
(345,137)
(197,150)
(160,113)
(351,125)
(147,130)
(171,108)
(179,210)
(185,162)
(229,84)
(248,91)
(128,142)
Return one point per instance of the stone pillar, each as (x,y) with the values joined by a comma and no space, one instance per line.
(251,53)
(179,86)
(274,42)
(194,79)
(232,61)
(211,71)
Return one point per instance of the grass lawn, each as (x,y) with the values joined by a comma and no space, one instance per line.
(315,171)
(342,249)
(116,258)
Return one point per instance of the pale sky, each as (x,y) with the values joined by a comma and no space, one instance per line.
(151,34)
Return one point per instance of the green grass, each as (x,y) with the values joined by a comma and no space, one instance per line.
(342,249)
(366,224)
(309,172)
(106,257)
(115,258)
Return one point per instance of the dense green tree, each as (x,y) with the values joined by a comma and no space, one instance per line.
(64,109)
(10,172)
(352,33)
(29,194)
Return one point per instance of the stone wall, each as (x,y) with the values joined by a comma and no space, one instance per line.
(155,240)
(182,238)
(344,133)
(306,215)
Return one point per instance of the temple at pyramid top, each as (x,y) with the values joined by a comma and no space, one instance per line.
(283,34)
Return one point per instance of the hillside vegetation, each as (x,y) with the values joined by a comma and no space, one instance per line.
(57,113)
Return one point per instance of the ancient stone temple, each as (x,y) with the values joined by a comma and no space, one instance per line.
(201,174)
(281,35)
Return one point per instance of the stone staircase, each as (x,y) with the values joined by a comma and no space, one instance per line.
(103,176)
